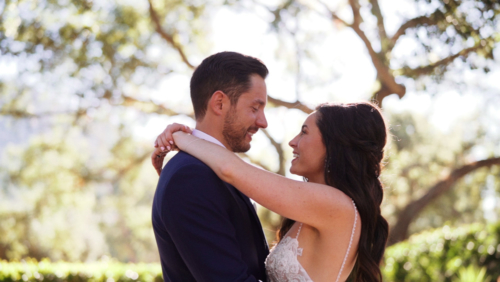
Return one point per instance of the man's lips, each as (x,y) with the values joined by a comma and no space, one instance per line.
(251,132)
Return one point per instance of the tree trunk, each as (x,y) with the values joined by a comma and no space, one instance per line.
(399,232)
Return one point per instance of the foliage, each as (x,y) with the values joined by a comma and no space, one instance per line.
(79,78)
(75,184)
(446,254)
(96,53)
(472,274)
(420,155)
(63,202)
(466,253)
(445,35)
(102,271)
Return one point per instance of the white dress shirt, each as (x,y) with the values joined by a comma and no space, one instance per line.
(202,135)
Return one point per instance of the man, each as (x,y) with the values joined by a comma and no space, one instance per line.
(206,230)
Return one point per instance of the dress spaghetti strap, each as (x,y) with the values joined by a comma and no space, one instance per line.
(299,250)
(298,232)
(350,241)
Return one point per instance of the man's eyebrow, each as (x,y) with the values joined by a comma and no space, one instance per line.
(260,102)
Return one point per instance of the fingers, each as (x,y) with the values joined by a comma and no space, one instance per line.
(158,142)
(186,129)
(177,127)
(163,140)
(154,162)
(164,143)
(157,158)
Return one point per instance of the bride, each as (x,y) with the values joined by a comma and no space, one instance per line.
(333,224)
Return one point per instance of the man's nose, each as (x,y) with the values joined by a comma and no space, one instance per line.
(261,120)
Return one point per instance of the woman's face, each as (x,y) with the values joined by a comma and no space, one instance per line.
(309,152)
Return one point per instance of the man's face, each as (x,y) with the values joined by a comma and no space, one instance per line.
(246,117)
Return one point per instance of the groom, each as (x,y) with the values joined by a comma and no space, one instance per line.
(205,229)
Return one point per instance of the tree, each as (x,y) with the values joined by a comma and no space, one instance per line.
(76,79)
(430,178)
(97,68)
(446,33)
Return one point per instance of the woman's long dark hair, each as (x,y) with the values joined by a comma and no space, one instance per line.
(355,135)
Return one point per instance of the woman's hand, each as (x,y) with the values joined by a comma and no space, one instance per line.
(164,143)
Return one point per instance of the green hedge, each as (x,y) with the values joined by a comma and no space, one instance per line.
(31,270)
(446,254)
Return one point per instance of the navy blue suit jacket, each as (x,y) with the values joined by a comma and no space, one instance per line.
(206,230)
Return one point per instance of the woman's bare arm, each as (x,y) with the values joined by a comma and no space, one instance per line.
(314,204)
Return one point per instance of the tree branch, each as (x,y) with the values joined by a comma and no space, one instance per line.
(380,23)
(429,68)
(134,163)
(415,22)
(168,37)
(357,19)
(290,105)
(384,91)
(383,74)
(399,232)
(279,150)
(333,14)
(149,106)
(388,84)
(254,161)
(24,114)
(276,12)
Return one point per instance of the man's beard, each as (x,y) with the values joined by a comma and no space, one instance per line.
(234,133)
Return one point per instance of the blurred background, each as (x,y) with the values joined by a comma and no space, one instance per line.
(86,86)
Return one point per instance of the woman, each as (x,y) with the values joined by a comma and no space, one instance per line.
(333,223)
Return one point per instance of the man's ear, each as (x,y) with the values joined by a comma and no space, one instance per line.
(219,103)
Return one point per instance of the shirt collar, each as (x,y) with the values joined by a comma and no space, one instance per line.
(204,136)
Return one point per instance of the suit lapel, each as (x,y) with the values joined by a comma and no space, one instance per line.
(238,195)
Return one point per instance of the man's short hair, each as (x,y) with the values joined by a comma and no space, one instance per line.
(228,72)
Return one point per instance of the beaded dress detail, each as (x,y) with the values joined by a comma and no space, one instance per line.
(282,264)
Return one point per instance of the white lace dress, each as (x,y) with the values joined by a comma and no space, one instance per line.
(282,264)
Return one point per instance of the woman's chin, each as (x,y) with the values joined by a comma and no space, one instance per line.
(294,171)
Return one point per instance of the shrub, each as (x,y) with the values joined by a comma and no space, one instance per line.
(31,270)
(444,254)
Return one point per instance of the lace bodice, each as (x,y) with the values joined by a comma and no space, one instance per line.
(282,264)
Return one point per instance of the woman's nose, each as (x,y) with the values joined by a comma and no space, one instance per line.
(293,142)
